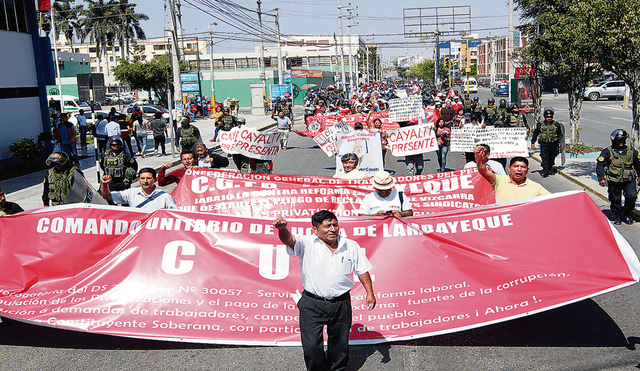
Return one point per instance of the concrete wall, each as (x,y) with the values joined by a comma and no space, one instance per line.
(19,117)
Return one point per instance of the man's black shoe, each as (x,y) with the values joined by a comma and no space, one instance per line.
(544,175)
(617,222)
(628,220)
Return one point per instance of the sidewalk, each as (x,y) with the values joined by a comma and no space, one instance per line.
(26,190)
(580,170)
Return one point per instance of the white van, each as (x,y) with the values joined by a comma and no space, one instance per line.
(472,85)
(71,103)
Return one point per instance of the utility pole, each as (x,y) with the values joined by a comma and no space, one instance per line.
(511,43)
(55,55)
(279,48)
(344,80)
(179,25)
(263,76)
(349,25)
(175,57)
(212,96)
(437,76)
(367,50)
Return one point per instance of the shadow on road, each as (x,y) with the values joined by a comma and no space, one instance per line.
(582,324)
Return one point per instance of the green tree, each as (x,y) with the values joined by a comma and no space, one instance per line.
(98,25)
(561,38)
(617,43)
(152,76)
(128,25)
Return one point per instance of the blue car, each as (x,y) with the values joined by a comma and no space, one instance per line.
(502,89)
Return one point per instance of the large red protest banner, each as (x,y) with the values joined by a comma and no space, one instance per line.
(261,195)
(181,276)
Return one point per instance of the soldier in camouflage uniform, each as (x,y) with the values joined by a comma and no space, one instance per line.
(119,164)
(59,179)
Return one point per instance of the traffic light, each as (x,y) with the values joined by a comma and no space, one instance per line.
(446,62)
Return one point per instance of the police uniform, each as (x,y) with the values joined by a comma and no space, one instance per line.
(620,168)
(57,184)
(490,114)
(122,167)
(549,136)
(227,122)
(187,137)
(477,111)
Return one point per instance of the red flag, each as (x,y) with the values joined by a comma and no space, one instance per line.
(44,5)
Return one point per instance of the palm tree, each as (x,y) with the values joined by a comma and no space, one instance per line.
(66,18)
(99,25)
(129,24)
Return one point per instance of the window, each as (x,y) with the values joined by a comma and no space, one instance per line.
(319,61)
(294,62)
(159,47)
(61,65)
(13,16)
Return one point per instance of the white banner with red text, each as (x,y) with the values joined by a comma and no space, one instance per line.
(251,143)
(504,142)
(296,196)
(411,140)
(327,139)
(180,276)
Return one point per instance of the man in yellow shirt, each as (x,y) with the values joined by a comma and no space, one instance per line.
(513,187)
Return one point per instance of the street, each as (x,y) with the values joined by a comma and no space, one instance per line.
(594,334)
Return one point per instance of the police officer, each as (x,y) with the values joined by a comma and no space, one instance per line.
(490,112)
(119,164)
(226,122)
(59,179)
(467,103)
(477,109)
(516,119)
(284,106)
(618,167)
(187,136)
(551,136)
(502,110)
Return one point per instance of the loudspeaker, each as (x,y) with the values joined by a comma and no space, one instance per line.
(88,82)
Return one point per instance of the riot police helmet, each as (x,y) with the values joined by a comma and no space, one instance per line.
(475,99)
(503,102)
(57,158)
(241,121)
(514,105)
(184,120)
(619,135)
(115,140)
(548,113)
(491,101)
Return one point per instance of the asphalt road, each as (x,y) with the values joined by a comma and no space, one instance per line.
(594,334)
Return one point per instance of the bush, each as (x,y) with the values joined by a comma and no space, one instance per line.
(26,149)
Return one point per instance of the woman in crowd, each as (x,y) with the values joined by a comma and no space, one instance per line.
(443,133)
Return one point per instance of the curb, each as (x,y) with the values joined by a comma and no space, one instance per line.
(576,181)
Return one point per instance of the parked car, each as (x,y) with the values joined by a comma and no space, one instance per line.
(606,89)
(148,111)
(472,85)
(501,89)
(484,81)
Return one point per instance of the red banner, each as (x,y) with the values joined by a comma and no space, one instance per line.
(299,196)
(179,276)
(44,5)
(316,124)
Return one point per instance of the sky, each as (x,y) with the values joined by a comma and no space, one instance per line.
(378,21)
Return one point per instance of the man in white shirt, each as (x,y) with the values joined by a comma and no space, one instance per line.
(385,200)
(82,127)
(113,129)
(284,127)
(147,196)
(101,134)
(326,262)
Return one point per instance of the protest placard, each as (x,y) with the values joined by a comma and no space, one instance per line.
(504,142)
(412,140)
(251,143)
(366,145)
(405,109)
(327,138)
